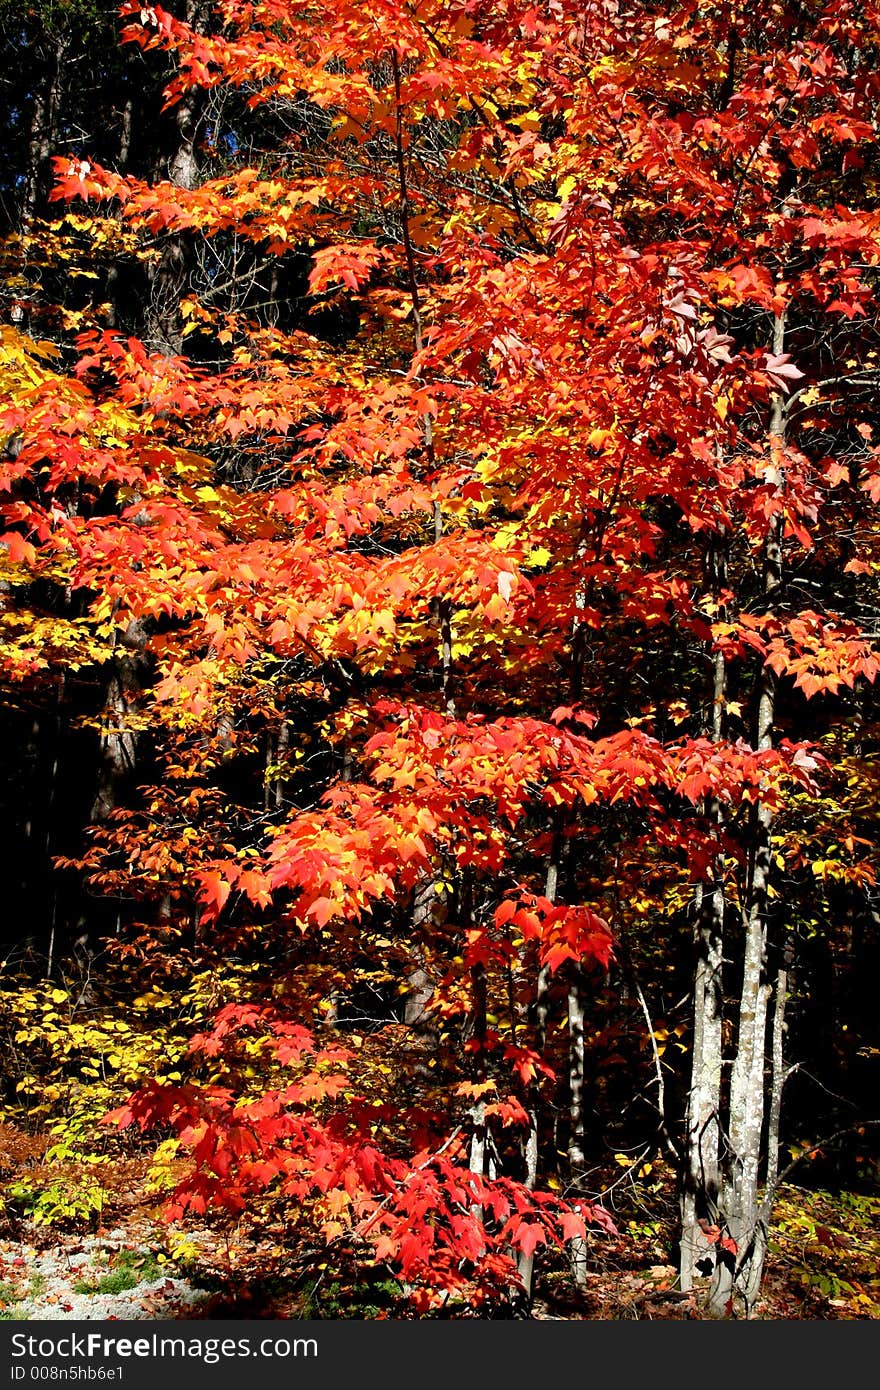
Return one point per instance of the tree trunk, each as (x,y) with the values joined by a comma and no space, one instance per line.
(168,280)
(777,1079)
(576,1156)
(479,1154)
(118,742)
(43,133)
(41,142)
(526,1263)
(114,279)
(702,1129)
(736,1279)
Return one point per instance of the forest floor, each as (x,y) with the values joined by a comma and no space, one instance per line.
(126,1263)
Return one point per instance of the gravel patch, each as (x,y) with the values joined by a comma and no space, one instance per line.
(86,1279)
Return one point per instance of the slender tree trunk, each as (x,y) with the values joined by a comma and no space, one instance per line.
(426,892)
(50,810)
(736,1279)
(41,142)
(702,1181)
(164,328)
(118,742)
(777,1079)
(114,278)
(479,1160)
(421,985)
(576,1125)
(575,1008)
(526,1263)
(43,133)
(701,1158)
(281,747)
(277,745)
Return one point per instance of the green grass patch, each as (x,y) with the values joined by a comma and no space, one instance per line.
(130,1268)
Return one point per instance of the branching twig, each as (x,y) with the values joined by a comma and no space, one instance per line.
(661,1088)
(814,1148)
(361,1230)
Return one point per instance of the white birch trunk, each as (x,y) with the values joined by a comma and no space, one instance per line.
(576,1157)
(701,1177)
(737,1275)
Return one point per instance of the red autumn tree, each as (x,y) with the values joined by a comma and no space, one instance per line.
(448,612)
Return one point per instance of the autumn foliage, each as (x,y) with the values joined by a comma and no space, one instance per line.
(470,613)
